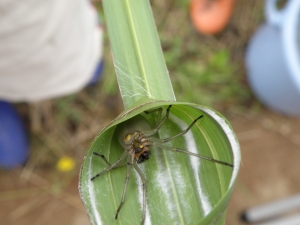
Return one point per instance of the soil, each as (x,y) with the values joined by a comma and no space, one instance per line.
(270,145)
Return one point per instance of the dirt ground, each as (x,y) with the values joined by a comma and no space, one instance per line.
(270,145)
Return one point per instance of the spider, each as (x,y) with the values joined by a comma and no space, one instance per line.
(136,137)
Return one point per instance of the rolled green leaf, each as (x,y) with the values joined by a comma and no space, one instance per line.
(182,189)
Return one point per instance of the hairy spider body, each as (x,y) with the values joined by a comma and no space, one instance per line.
(136,137)
(133,140)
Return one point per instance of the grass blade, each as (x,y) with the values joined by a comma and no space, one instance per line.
(138,58)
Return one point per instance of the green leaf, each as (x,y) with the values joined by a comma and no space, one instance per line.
(181,189)
(138,58)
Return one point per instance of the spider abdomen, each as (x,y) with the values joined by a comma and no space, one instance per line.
(144,156)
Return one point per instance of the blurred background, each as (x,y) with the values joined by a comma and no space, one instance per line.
(208,67)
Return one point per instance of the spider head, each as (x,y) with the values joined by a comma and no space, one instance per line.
(131,140)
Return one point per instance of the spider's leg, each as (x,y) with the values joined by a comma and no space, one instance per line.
(128,173)
(106,161)
(103,157)
(144,191)
(159,110)
(153,110)
(115,164)
(182,132)
(187,152)
(155,130)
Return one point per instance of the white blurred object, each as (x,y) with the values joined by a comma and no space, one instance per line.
(275,209)
(290,220)
(273,58)
(47,48)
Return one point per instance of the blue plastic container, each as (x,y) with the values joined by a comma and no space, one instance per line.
(14,147)
(273,59)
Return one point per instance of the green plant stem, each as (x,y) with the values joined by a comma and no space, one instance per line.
(139,63)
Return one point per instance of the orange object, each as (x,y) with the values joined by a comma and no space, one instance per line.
(210,16)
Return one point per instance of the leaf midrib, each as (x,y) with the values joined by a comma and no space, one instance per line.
(137,47)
